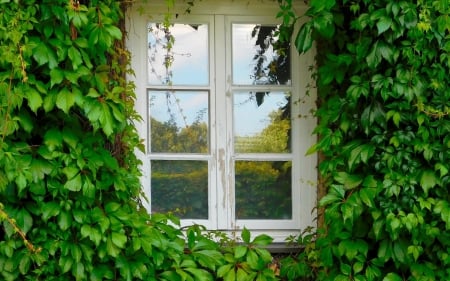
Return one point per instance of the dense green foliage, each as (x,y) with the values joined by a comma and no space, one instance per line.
(69,180)
(383,82)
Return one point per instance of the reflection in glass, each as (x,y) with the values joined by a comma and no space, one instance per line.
(263,190)
(258,57)
(180,187)
(261,122)
(178,55)
(179,121)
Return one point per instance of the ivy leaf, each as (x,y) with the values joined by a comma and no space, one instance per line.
(49,210)
(64,220)
(50,100)
(304,40)
(320,5)
(56,76)
(65,100)
(384,24)
(336,194)
(119,239)
(43,54)
(26,121)
(53,139)
(75,57)
(24,220)
(114,31)
(323,24)
(392,277)
(74,184)
(367,195)
(428,180)
(34,99)
(106,120)
(24,264)
(373,59)
(349,181)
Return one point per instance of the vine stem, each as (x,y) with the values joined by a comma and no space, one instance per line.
(12,222)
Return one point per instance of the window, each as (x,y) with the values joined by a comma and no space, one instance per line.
(227,118)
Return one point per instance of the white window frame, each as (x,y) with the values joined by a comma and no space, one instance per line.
(219,15)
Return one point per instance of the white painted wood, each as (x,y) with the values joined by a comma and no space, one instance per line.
(219,14)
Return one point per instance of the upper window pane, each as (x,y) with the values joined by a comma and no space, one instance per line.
(179,121)
(262,122)
(178,55)
(258,57)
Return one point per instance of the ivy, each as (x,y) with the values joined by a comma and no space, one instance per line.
(382,77)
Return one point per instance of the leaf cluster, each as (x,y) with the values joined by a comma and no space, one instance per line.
(70,193)
(383,84)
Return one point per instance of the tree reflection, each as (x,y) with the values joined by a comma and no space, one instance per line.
(262,188)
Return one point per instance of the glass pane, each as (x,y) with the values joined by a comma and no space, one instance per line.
(179,121)
(258,57)
(261,122)
(178,55)
(263,190)
(180,187)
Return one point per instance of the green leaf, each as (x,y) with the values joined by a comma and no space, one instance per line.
(245,235)
(114,31)
(392,277)
(373,59)
(65,263)
(24,220)
(224,269)
(415,251)
(74,184)
(428,180)
(119,239)
(304,40)
(262,240)
(65,100)
(26,121)
(253,260)
(336,194)
(34,99)
(240,251)
(64,220)
(24,264)
(75,57)
(346,269)
(111,248)
(384,24)
(56,76)
(53,139)
(70,172)
(50,209)
(349,181)
(230,276)
(43,54)
(106,120)
(200,274)
(50,100)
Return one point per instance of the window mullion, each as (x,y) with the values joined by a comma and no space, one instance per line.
(222,155)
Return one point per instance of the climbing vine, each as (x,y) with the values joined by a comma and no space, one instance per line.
(70,194)
(384,94)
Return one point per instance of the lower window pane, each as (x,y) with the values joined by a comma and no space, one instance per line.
(180,187)
(263,190)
